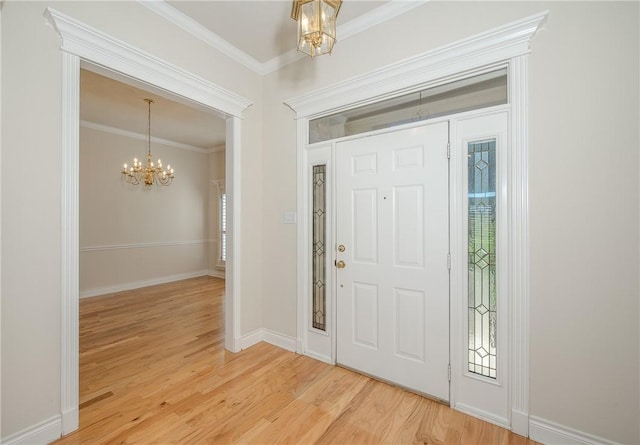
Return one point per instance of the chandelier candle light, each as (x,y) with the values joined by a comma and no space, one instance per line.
(148,173)
(316,25)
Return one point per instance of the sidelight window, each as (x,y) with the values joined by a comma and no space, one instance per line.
(482,307)
(318,248)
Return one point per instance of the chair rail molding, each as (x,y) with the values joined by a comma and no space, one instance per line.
(81,43)
(127,246)
(508,45)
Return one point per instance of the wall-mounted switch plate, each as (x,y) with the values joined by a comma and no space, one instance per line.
(289,217)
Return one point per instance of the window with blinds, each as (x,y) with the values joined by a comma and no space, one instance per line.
(223,227)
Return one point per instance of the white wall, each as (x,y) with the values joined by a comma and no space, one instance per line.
(31,205)
(116,218)
(584,193)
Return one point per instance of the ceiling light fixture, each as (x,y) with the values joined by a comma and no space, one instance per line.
(149,173)
(316,25)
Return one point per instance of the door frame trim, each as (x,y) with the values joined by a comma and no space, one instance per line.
(508,44)
(82,45)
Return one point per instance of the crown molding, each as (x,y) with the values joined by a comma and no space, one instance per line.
(143,137)
(379,15)
(201,32)
(95,46)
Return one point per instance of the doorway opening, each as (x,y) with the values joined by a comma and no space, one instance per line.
(505,47)
(146,253)
(118,60)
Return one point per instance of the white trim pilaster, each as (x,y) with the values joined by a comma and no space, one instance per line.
(232,271)
(302,234)
(518,261)
(70,241)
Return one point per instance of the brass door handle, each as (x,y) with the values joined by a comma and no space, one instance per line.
(340,264)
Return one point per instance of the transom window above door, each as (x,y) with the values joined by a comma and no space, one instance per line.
(480,91)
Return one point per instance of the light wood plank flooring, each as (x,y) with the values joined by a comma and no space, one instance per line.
(153,370)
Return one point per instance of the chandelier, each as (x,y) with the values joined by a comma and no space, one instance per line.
(316,25)
(148,173)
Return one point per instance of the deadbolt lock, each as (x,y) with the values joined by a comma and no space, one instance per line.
(341,248)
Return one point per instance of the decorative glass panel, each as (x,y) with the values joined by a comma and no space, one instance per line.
(483,90)
(482,258)
(319,247)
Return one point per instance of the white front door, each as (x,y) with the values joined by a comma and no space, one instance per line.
(392,235)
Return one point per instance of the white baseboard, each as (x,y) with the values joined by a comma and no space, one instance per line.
(216,273)
(250,339)
(39,434)
(70,420)
(279,340)
(320,357)
(520,422)
(483,415)
(267,336)
(550,433)
(86,293)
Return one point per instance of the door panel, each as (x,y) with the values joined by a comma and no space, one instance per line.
(365,218)
(365,314)
(393,293)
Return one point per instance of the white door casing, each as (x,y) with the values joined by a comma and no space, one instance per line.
(506,45)
(114,58)
(393,293)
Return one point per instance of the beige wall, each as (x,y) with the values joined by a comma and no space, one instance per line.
(114,213)
(583,193)
(584,218)
(584,190)
(31,234)
(31,206)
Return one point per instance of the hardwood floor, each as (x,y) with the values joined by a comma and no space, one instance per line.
(153,370)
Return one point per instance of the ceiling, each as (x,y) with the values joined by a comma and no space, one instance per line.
(108,103)
(262,29)
(257,33)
